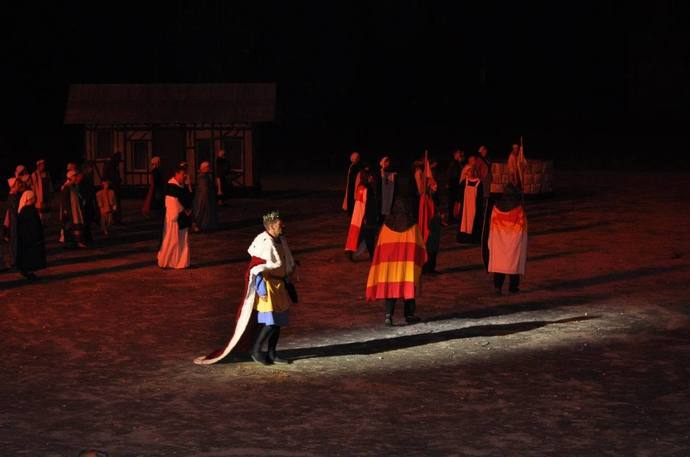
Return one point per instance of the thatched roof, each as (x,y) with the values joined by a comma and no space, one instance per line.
(95,104)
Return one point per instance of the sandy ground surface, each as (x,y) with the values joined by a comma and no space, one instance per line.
(591,358)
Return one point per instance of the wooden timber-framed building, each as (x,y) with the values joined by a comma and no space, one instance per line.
(177,122)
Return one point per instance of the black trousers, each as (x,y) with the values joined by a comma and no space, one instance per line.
(369,237)
(410,306)
(513,281)
(430,264)
(270,333)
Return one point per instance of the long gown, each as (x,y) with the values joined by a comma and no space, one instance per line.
(205,213)
(471,216)
(31,251)
(174,252)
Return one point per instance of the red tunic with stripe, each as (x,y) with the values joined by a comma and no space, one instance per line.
(397,265)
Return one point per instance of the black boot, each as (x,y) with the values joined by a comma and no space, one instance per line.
(390,308)
(272,343)
(410,306)
(257,356)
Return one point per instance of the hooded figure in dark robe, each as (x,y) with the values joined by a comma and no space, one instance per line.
(31,252)
(205,212)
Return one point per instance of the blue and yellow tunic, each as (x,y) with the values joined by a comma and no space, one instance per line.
(273,307)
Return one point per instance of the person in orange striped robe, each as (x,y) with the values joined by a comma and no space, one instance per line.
(397,264)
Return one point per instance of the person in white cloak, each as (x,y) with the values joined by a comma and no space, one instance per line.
(472,198)
(507,240)
(174,252)
(269,290)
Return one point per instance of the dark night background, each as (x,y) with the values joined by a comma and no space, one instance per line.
(601,84)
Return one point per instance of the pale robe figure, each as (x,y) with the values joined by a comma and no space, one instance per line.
(43,188)
(516,166)
(174,252)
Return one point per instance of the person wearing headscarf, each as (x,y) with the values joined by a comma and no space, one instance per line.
(351,183)
(31,253)
(507,240)
(17,188)
(269,290)
(72,212)
(42,186)
(174,251)
(205,212)
(396,268)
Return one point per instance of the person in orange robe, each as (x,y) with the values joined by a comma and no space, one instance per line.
(396,268)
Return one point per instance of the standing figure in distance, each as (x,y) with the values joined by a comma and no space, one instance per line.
(106,205)
(205,213)
(72,212)
(351,183)
(155,197)
(454,170)
(42,186)
(223,178)
(111,172)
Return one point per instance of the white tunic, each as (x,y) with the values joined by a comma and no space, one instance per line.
(174,251)
(469,206)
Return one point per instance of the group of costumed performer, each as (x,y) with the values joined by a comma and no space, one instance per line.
(268,291)
(504,240)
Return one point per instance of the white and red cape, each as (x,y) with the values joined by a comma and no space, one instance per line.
(264,257)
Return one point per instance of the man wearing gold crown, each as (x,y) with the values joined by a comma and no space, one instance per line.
(268,289)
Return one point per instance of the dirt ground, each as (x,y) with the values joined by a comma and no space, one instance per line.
(591,358)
